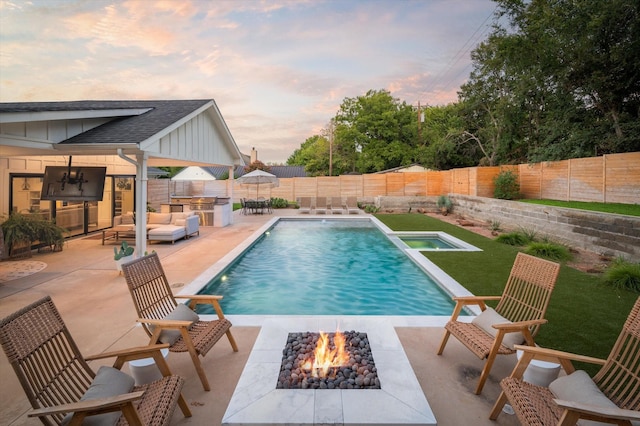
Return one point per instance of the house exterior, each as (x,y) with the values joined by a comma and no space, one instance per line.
(127,137)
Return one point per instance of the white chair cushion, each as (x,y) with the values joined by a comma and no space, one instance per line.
(109,381)
(488,317)
(579,387)
(181,313)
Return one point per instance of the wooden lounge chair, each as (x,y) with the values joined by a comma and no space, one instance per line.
(321,205)
(612,396)
(61,386)
(168,321)
(352,205)
(336,205)
(305,205)
(515,320)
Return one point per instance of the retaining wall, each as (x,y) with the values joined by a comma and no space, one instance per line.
(604,233)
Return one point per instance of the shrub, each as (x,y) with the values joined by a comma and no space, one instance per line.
(549,250)
(513,239)
(506,185)
(369,208)
(529,234)
(623,274)
(279,203)
(444,204)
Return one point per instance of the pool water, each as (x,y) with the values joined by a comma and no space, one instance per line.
(427,243)
(326,267)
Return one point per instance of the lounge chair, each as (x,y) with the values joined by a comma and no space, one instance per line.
(336,205)
(305,205)
(321,205)
(612,396)
(168,321)
(352,205)
(515,320)
(63,389)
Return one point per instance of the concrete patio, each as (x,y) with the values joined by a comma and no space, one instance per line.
(94,302)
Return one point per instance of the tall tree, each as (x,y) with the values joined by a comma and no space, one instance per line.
(375,132)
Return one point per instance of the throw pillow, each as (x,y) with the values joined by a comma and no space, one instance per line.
(488,317)
(109,381)
(579,387)
(127,219)
(181,313)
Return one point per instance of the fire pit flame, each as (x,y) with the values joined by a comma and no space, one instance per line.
(325,358)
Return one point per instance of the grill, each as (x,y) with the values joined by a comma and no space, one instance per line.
(202,203)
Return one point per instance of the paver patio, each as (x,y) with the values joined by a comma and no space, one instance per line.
(95,303)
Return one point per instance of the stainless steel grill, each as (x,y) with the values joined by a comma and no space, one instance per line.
(202,203)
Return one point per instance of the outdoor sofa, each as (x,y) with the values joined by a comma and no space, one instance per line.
(162,226)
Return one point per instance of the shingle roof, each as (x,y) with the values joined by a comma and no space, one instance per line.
(127,129)
(279,171)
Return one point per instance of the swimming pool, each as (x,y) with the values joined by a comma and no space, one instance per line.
(326,267)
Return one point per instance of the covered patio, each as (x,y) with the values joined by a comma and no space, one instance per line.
(89,292)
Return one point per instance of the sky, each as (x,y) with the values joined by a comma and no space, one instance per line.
(278,70)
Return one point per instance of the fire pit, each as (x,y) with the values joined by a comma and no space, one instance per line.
(398,401)
(328,361)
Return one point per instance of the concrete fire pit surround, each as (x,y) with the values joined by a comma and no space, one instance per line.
(256,401)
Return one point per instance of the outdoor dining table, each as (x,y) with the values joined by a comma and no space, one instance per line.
(257,206)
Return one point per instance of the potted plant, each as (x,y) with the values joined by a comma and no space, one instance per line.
(49,234)
(19,232)
(444,204)
(124,255)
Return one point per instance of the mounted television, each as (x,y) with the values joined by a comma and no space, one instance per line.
(73,183)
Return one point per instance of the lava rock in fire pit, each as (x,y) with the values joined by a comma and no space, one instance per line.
(357,372)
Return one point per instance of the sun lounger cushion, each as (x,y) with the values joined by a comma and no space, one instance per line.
(180,313)
(579,387)
(108,382)
(488,317)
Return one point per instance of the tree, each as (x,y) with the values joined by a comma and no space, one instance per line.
(313,154)
(374,132)
(257,165)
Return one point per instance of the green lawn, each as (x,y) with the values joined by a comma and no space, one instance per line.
(584,316)
(628,209)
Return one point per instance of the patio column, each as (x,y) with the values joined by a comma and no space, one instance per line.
(141,204)
(230,191)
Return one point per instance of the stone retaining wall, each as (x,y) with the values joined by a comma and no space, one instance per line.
(604,233)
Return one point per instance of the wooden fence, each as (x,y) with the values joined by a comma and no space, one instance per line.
(610,178)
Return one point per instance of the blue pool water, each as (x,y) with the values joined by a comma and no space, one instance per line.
(326,267)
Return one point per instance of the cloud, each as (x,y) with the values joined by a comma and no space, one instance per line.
(278,70)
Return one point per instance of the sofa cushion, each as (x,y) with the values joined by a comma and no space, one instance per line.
(488,317)
(579,387)
(127,219)
(177,216)
(159,218)
(109,381)
(181,313)
(180,222)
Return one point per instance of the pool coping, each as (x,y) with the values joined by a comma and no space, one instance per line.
(446,282)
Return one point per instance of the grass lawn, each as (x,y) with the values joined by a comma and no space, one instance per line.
(585,316)
(628,209)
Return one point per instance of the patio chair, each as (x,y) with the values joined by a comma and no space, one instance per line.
(63,389)
(352,205)
(167,321)
(336,205)
(321,205)
(515,320)
(305,205)
(612,396)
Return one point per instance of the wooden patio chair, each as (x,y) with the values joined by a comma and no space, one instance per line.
(515,320)
(612,396)
(167,321)
(63,389)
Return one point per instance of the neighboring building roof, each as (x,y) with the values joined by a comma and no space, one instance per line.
(415,167)
(156,172)
(280,171)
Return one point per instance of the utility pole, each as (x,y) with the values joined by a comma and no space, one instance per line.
(420,120)
(331,148)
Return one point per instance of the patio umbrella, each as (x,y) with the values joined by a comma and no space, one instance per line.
(259,177)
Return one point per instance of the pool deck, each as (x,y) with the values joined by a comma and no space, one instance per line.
(89,292)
